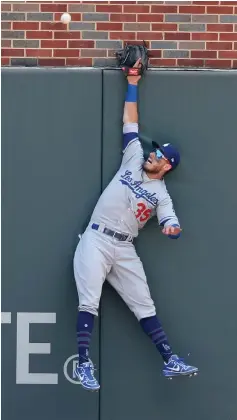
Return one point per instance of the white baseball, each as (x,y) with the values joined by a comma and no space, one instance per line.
(65,18)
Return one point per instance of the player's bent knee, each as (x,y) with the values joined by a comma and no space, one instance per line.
(145,312)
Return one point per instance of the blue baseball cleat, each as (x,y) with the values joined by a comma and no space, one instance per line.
(85,374)
(177,367)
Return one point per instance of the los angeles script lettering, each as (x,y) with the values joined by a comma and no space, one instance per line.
(135,186)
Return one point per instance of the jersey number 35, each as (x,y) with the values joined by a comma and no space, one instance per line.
(142,213)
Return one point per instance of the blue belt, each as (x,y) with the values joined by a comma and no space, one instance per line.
(109,232)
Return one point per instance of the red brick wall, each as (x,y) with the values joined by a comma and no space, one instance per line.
(179,33)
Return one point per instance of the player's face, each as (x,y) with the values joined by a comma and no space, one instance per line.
(156,164)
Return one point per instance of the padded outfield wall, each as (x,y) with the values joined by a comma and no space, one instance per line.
(61,144)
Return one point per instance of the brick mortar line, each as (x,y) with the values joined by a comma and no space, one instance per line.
(122,30)
(111,49)
(126,13)
(127,30)
(109,21)
(119,40)
(163,14)
(109,14)
(123,23)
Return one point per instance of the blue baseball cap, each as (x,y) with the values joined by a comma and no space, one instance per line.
(170,152)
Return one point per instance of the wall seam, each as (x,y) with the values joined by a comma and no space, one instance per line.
(101,180)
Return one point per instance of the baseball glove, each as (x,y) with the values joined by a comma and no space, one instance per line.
(128,56)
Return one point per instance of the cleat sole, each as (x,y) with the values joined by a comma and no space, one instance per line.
(90,389)
(173,375)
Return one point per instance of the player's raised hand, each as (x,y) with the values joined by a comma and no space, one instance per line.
(133,60)
(133,80)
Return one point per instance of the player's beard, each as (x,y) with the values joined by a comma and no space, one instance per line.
(153,172)
(149,169)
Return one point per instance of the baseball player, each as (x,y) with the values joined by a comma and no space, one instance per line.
(106,251)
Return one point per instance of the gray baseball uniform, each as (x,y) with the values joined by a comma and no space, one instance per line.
(128,202)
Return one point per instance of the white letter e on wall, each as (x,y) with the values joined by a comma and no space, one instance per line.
(24,348)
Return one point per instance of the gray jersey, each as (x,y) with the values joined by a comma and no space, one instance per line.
(131,198)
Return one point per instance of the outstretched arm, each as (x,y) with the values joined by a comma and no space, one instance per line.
(130,113)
